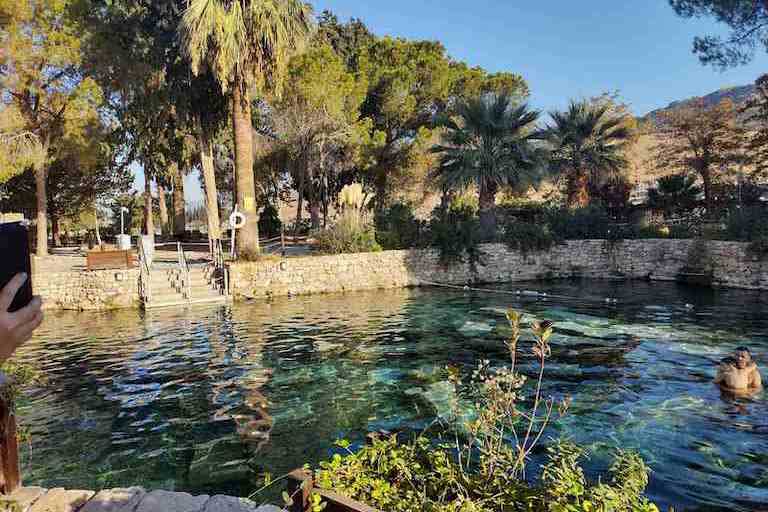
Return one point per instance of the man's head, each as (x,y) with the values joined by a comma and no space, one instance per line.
(743,357)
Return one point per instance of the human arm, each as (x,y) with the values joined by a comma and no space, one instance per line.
(17,327)
(755,380)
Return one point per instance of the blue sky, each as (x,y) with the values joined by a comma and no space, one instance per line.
(564,48)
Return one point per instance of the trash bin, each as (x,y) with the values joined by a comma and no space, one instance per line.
(123,242)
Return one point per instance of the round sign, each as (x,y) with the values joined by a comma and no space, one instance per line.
(236,220)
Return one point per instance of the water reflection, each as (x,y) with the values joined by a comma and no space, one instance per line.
(205,399)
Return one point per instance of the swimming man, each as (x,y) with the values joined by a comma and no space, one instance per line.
(739,373)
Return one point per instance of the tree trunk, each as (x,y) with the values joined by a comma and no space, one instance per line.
(299,208)
(96,224)
(179,215)
(487,204)
(248,235)
(163,208)
(149,222)
(578,190)
(708,201)
(42,210)
(209,180)
(55,230)
(314,214)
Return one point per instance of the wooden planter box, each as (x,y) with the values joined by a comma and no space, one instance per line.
(301,487)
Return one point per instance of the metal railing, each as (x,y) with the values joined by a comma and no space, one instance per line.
(185,285)
(220,276)
(145,280)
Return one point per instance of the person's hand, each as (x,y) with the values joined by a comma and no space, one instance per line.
(17,327)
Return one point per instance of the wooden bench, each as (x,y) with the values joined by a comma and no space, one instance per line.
(107,260)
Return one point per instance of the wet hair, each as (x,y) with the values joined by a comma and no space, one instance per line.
(743,349)
(728,360)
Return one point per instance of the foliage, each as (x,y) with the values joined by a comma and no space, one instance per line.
(588,143)
(490,143)
(747,20)
(351,233)
(756,110)
(697,139)
(397,227)
(317,120)
(674,194)
(591,222)
(455,232)
(408,82)
(527,237)
(270,224)
(479,464)
(749,224)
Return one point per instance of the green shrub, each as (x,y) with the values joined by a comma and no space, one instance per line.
(270,224)
(479,464)
(351,233)
(527,237)
(747,224)
(455,232)
(591,222)
(397,227)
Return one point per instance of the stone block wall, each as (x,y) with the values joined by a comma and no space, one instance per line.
(726,264)
(83,290)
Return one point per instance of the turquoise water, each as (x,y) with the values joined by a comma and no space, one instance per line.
(207,399)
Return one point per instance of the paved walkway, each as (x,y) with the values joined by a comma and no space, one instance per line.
(134,499)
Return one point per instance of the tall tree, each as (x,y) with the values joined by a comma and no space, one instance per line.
(244,42)
(756,110)
(588,145)
(43,82)
(747,19)
(179,205)
(704,140)
(409,83)
(318,123)
(155,96)
(490,143)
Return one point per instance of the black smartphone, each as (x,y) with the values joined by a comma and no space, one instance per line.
(14,259)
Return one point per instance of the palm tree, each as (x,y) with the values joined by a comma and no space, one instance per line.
(675,193)
(488,143)
(244,42)
(588,144)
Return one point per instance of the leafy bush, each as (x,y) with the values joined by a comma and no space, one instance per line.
(478,465)
(591,222)
(527,237)
(456,234)
(397,227)
(351,233)
(747,224)
(270,224)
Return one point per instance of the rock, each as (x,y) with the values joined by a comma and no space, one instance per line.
(60,500)
(166,501)
(221,503)
(25,497)
(269,508)
(115,500)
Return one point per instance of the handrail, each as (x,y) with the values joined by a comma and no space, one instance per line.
(145,281)
(221,272)
(184,272)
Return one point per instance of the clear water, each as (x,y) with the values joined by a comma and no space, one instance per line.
(182,399)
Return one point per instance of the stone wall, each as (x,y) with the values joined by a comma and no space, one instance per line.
(725,264)
(82,290)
